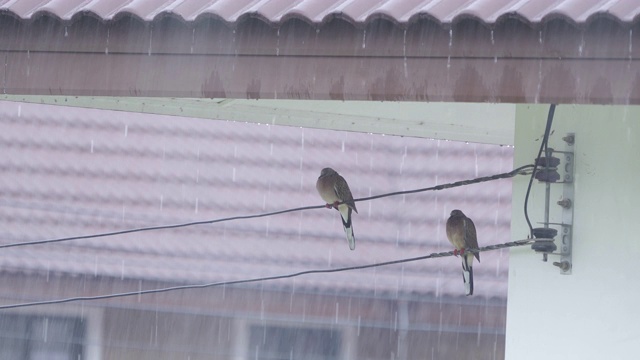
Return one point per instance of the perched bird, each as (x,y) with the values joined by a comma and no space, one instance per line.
(334,190)
(461,232)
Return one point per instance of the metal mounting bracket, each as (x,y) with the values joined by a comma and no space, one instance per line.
(558,171)
(567,203)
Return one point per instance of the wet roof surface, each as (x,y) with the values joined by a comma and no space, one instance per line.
(319,11)
(71,171)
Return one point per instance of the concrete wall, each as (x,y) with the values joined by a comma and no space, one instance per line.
(591,314)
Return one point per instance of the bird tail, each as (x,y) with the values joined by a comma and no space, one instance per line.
(467,274)
(345,213)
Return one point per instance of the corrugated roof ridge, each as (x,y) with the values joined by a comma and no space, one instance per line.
(531,14)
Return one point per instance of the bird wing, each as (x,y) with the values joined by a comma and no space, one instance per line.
(344,193)
(470,236)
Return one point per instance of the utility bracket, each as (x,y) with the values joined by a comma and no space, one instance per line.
(567,204)
(554,171)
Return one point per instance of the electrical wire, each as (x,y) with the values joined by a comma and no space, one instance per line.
(266,278)
(543,145)
(518,171)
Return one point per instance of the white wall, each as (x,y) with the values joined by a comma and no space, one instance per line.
(595,312)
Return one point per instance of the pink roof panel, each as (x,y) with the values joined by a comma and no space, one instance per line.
(72,171)
(318,11)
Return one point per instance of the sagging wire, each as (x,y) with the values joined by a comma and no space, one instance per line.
(543,145)
(518,171)
(266,278)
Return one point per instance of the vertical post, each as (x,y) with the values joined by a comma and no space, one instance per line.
(403,329)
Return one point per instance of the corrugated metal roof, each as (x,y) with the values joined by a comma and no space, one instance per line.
(70,171)
(319,11)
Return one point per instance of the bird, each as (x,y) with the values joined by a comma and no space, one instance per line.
(334,190)
(461,233)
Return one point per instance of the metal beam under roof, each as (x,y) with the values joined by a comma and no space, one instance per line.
(473,122)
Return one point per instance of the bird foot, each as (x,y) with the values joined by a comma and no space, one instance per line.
(457,252)
(333,206)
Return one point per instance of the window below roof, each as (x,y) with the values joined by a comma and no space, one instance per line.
(38,337)
(289,342)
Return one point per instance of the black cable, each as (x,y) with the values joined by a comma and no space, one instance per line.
(159,227)
(510,174)
(543,145)
(267,278)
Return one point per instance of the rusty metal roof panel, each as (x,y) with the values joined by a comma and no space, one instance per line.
(319,11)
